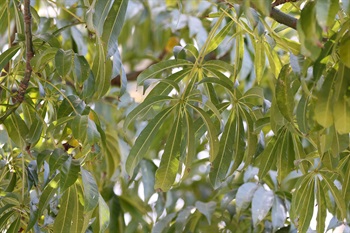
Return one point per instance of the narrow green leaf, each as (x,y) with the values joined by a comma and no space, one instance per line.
(212,132)
(299,153)
(113,25)
(91,194)
(35,132)
(169,164)
(207,209)
(5,218)
(57,158)
(112,153)
(144,106)
(144,140)
(324,105)
(217,65)
(219,37)
(261,204)
(239,142)
(259,60)
(326,11)
(343,48)
(14,227)
(223,160)
(154,70)
(341,115)
(191,143)
(104,214)
(346,181)
(285,157)
(306,208)
(278,213)
(268,156)
(336,194)
(40,60)
(102,69)
(322,207)
(69,173)
(284,95)
(148,170)
(81,69)
(301,114)
(6,56)
(67,105)
(47,194)
(64,61)
(65,220)
(100,13)
(309,32)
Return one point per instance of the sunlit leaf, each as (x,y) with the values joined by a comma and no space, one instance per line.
(144,140)
(169,164)
(6,56)
(284,94)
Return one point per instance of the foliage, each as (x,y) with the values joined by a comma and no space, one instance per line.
(244,126)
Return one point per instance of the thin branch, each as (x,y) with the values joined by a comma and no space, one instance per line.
(29,53)
(283,18)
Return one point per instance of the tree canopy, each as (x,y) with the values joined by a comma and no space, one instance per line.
(241,123)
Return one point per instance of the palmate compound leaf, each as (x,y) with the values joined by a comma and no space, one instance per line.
(145,139)
(169,164)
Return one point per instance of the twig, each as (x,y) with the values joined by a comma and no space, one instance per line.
(29,53)
(283,18)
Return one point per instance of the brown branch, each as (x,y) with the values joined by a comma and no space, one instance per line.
(283,18)
(29,53)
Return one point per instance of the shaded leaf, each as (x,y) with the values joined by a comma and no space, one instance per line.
(244,195)
(261,204)
(206,208)
(91,194)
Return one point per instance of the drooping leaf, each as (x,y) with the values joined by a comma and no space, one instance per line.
(322,207)
(268,156)
(64,61)
(104,214)
(169,164)
(100,13)
(91,194)
(81,70)
(223,160)
(16,129)
(278,213)
(69,173)
(113,25)
(148,170)
(259,61)
(301,114)
(341,115)
(326,11)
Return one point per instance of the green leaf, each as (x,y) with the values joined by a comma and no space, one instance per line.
(301,114)
(69,173)
(284,94)
(15,225)
(182,219)
(34,132)
(326,11)
(144,106)
(57,158)
(239,142)
(309,32)
(47,194)
(206,208)
(91,194)
(244,195)
(191,143)
(343,48)
(322,207)
(113,25)
(263,6)
(259,60)
(40,60)
(6,56)
(64,61)
(70,104)
(162,224)
(219,37)
(340,202)
(154,70)
(268,156)
(324,105)
(341,115)
(285,157)
(81,69)
(217,65)
(112,153)
(85,129)
(100,13)
(102,70)
(212,132)
(104,214)
(261,204)
(144,140)
(223,160)
(5,218)
(68,218)
(16,129)
(169,164)
(299,153)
